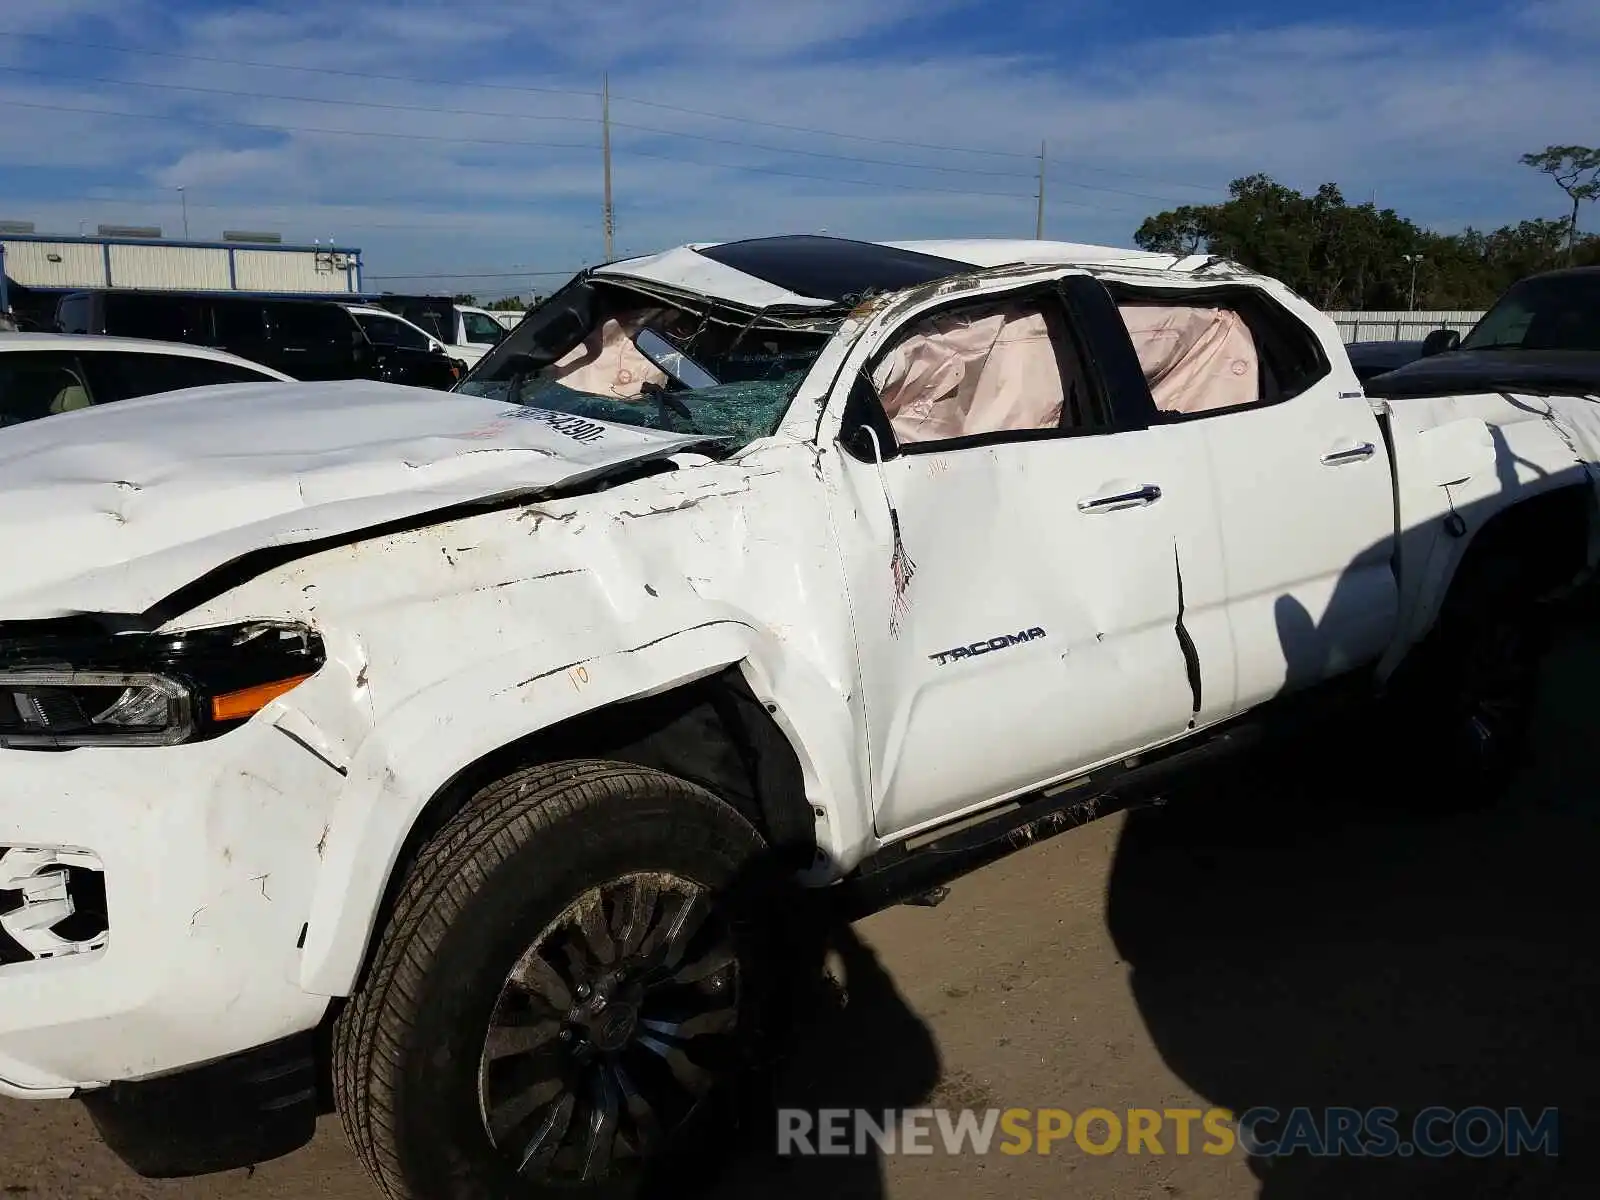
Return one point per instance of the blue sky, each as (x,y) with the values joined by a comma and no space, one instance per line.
(449,137)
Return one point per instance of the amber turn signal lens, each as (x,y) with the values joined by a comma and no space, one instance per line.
(231,706)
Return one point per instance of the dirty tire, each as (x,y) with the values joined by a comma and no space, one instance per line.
(1461,711)
(492,883)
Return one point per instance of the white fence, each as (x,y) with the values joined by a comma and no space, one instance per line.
(1400,326)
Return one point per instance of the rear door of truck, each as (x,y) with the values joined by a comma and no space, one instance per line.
(1303,488)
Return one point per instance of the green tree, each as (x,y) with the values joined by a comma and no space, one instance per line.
(1265,226)
(1332,253)
(1181,231)
(466,298)
(1576,170)
(1343,256)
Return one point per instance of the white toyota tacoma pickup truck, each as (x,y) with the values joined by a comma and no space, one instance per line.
(452,759)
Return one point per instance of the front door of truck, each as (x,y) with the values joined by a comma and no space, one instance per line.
(1023,561)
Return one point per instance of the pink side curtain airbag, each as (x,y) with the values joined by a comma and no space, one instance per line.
(1194,359)
(967,373)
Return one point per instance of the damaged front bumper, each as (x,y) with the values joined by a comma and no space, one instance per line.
(152,904)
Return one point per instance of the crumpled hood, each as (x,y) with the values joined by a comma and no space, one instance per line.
(111,509)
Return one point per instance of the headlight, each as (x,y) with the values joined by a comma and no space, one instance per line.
(146,689)
(94,708)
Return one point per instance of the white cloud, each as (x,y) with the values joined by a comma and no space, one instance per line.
(1434,123)
(1578,19)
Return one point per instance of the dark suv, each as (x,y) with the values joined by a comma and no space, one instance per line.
(308,339)
(1541,337)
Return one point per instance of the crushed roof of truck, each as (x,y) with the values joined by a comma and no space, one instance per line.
(835,269)
(812,271)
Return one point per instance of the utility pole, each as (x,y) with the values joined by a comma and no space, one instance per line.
(1413,259)
(1038,224)
(605,146)
(183,198)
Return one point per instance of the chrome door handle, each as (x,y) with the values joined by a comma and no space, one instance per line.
(1148,494)
(1337,458)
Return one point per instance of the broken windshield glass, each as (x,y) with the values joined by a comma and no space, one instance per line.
(607,352)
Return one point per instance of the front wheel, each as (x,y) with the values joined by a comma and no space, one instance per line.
(568,992)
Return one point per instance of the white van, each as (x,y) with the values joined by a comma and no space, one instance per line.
(477,332)
(465,332)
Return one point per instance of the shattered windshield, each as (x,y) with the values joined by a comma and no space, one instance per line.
(1553,312)
(607,352)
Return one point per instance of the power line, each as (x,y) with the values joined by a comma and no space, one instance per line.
(279,128)
(478,141)
(587,93)
(330,100)
(312,211)
(267,66)
(854,137)
(499,87)
(474,275)
(853,158)
(470,112)
(884,183)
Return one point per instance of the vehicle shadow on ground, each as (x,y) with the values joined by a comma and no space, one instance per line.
(837,1059)
(1295,938)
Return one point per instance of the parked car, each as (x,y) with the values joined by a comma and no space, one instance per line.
(45,374)
(31,310)
(308,339)
(384,328)
(478,329)
(1542,336)
(476,749)
(1371,359)
(466,332)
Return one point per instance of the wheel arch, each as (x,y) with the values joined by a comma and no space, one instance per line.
(1550,532)
(709,703)
(1551,535)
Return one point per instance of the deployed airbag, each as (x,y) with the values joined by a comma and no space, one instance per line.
(1195,359)
(972,372)
(607,363)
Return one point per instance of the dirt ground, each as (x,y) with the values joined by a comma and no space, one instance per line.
(1291,940)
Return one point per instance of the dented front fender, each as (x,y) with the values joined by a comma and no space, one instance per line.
(449,642)
(422,747)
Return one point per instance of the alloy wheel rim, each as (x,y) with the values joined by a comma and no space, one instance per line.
(610,1030)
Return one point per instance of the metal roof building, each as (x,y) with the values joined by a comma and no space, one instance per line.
(134,257)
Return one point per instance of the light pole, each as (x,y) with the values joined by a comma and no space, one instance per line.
(1413,259)
(183,199)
